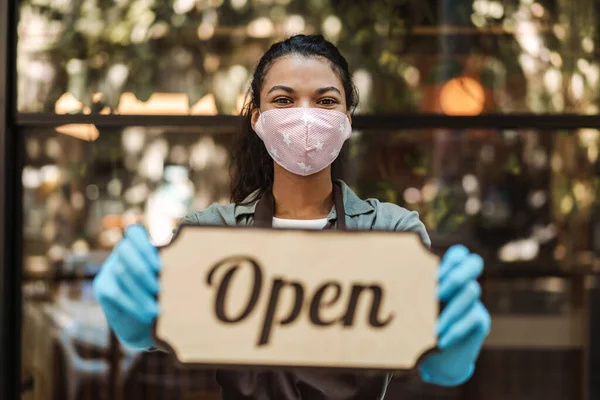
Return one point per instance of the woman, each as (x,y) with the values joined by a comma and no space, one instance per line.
(296,122)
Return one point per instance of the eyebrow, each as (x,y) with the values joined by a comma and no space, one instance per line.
(324,90)
(282,87)
(291,90)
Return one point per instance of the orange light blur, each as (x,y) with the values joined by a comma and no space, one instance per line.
(462,96)
(87,132)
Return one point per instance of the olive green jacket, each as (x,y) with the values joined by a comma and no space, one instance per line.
(370,214)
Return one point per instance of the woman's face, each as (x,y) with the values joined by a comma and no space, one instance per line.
(297,81)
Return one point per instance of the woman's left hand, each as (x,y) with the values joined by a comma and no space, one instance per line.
(464,322)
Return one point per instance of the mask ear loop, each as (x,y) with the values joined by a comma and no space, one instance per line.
(254,123)
(259,115)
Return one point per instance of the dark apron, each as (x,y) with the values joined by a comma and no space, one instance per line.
(305,384)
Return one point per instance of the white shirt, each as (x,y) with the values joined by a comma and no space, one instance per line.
(316,224)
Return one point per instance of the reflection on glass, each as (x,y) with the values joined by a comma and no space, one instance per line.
(170,202)
(515,196)
(521,195)
(490,56)
(518,196)
(79,196)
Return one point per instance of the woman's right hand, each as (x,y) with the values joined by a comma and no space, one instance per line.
(126,288)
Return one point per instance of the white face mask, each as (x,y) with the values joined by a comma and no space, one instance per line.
(304,141)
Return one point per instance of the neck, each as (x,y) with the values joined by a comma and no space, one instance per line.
(302,197)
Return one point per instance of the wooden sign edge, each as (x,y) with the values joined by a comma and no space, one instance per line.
(166,347)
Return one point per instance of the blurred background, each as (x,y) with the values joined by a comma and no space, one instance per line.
(125,110)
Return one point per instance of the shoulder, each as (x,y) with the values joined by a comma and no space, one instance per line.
(392,217)
(393,214)
(215,214)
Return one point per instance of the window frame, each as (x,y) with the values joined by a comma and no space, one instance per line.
(10,209)
(12,125)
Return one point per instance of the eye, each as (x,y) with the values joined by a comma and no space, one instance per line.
(282,100)
(328,102)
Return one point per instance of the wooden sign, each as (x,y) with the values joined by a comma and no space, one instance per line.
(291,298)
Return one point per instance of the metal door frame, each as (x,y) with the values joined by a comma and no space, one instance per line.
(10,209)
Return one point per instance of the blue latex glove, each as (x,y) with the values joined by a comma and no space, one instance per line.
(126,287)
(463,324)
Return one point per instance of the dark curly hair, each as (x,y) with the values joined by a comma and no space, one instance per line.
(252,166)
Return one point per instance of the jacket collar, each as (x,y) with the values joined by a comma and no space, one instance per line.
(353,205)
